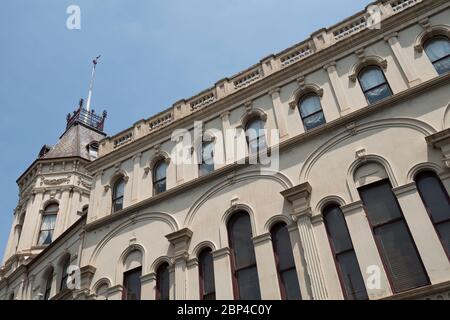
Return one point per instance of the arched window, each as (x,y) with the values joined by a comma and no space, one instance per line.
(398,251)
(207,159)
(132,284)
(244,270)
(163,282)
(374,84)
(350,276)
(438,51)
(48,285)
(65,274)
(437,203)
(206,275)
(118,194)
(48,224)
(256,137)
(311,111)
(159,177)
(287,274)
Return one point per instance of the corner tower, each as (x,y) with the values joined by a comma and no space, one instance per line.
(54,191)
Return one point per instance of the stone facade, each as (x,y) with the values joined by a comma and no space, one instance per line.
(395,138)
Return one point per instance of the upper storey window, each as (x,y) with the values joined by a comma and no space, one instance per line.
(207,161)
(118,195)
(311,111)
(438,50)
(93,150)
(374,84)
(159,177)
(48,224)
(256,137)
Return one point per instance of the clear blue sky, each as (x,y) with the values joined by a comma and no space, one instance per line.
(154,52)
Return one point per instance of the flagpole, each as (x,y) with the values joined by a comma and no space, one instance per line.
(91,85)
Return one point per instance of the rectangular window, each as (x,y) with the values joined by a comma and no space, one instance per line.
(395,243)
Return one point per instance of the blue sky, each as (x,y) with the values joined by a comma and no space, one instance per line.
(154,52)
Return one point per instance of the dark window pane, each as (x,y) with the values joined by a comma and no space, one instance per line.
(248,284)
(160,186)
(290,284)
(256,136)
(47,227)
(443,230)
(163,282)
(352,277)
(160,170)
(434,196)
(206,270)
(401,257)
(437,48)
(442,66)
(245,273)
(132,284)
(309,105)
(378,94)
(65,275)
(207,161)
(241,241)
(371,77)
(314,121)
(380,202)
(285,262)
(48,287)
(337,229)
(119,189)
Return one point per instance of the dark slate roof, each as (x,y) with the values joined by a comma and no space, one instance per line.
(73,143)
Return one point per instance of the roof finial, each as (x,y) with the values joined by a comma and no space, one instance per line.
(94,64)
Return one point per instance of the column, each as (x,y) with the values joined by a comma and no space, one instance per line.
(180,241)
(336,84)
(228,137)
(148,285)
(193,288)
(365,248)
(222,274)
(279,113)
(299,197)
(302,274)
(331,277)
(135,183)
(406,66)
(267,269)
(424,234)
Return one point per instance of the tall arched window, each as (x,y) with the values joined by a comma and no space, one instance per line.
(398,251)
(48,224)
(65,274)
(374,84)
(287,274)
(438,51)
(118,195)
(311,111)
(350,276)
(244,270)
(163,282)
(256,137)
(132,284)
(206,275)
(207,158)
(437,203)
(48,285)
(159,177)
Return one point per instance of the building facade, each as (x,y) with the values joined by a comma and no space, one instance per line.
(353,204)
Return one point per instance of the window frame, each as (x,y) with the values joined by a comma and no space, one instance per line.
(48,286)
(115,198)
(441,185)
(261,134)
(203,295)
(202,164)
(427,43)
(385,83)
(378,245)
(154,181)
(64,275)
(47,213)
(234,269)
(125,290)
(158,281)
(301,100)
